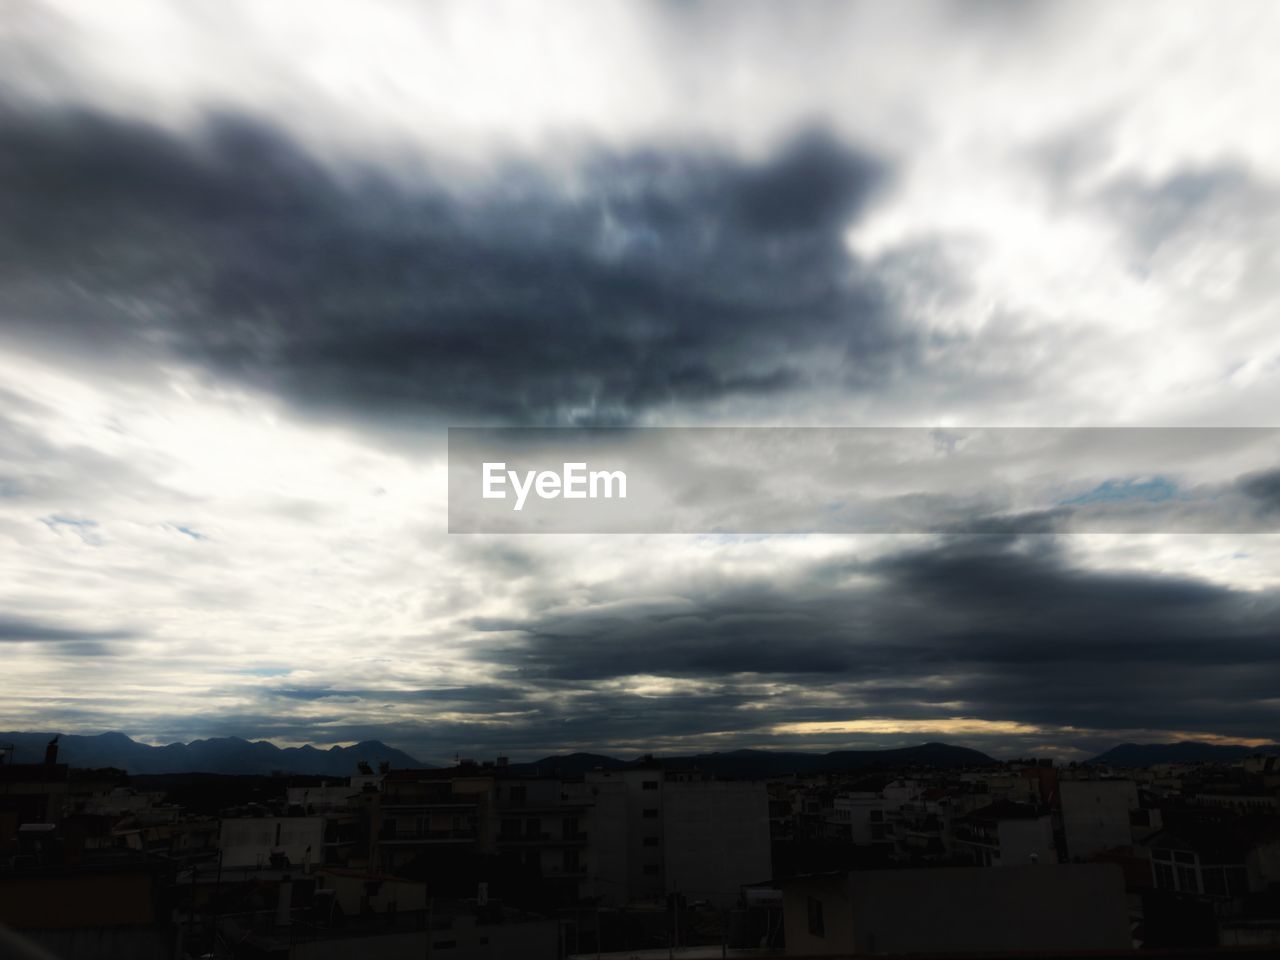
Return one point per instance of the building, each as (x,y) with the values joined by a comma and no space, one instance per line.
(945,910)
(271,841)
(421,814)
(858,817)
(1096,816)
(539,827)
(1004,834)
(665,832)
(715,839)
(97,905)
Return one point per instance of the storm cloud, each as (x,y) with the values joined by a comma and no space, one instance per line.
(1017,630)
(646,280)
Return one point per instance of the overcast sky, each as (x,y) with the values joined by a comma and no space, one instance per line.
(256,257)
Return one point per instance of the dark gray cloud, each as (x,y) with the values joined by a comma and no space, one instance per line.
(61,640)
(997,628)
(985,626)
(1263,488)
(659,278)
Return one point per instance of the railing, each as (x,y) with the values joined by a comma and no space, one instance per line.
(425,836)
(552,838)
(420,803)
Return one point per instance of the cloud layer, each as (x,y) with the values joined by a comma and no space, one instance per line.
(253,259)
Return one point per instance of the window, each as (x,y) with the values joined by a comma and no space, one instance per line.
(1164,876)
(651,869)
(649,785)
(1187,882)
(517,796)
(816,926)
(651,813)
(650,841)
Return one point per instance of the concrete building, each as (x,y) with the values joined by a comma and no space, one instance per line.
(422,812)
(1095,815)
(332,797)
(662,832)
(541,824)
(630,810)
(1005,834)
(715,839)
(858,817)
(1072,907)
(109,904)
(264,841)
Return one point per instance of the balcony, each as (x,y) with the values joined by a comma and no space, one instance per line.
(524,837)
(548,839)
(975,837)
(536,806)
(407,837)
(425,803)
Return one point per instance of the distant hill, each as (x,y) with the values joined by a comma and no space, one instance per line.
(568,765)
(233,755)
(1187,751)
(748,764)
(769,763)
(217,755)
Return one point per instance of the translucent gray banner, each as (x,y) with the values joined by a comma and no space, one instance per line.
(735,480)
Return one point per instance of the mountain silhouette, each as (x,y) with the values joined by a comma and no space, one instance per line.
(234,755)
(215,755)
(1186,751)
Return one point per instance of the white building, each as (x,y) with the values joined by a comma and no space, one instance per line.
(1095,815)
(859,818)
(1006,834)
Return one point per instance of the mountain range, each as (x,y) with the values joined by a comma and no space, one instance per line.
(1186,751)
(216,755)
(233,755)
(773,763)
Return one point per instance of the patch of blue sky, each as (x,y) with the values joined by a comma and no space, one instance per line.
(1144,489)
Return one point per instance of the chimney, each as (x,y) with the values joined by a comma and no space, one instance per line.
(51,752)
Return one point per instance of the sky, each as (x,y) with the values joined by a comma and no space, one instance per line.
(256,258)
